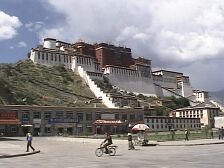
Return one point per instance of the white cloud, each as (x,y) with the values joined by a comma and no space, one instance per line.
(58,33)
(8,26)
(172,33)
(207,75)
(34,26)
(21,44)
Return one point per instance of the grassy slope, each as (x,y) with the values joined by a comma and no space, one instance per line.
(26,83)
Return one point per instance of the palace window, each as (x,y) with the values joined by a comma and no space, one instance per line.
(116,116)
(124,117)
(25,116)
(98,116)
(13,129)
(140,117)
(69,114)
(70,59)
(52,57)
(38,53)
(80,116)
(132,116)
(89,117)
(59,114)
(37,115)
(47,115)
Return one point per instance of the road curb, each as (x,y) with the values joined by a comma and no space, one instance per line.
(18,155)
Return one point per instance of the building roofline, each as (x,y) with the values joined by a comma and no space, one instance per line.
(170,117)
(114,66)
(49,39)
(167,71)
(190,108)
(98,109)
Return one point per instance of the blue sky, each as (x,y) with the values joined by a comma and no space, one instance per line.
(179,35)
(29,12)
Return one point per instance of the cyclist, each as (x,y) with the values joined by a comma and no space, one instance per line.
(107,142)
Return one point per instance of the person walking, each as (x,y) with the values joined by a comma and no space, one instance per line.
(130,143)
(29,139)
(211,134)
(221,133)
(186,135)
(145,138)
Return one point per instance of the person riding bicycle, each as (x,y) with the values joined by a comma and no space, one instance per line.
(107,142)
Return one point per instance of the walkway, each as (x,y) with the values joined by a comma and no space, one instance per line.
(14,147)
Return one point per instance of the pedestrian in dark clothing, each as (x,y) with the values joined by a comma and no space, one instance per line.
(186,135)
(130,143)
(211,133)
(221,133)
(29,139)
(107,142)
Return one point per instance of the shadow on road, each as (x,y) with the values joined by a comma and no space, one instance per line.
(9,139)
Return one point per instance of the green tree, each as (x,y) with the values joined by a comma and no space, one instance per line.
(176,103)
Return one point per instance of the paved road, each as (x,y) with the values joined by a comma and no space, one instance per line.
(79,153)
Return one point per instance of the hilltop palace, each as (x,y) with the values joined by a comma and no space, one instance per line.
(118,81)
(115,64)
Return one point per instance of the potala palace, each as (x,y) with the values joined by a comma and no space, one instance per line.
(115,64)
(128,79)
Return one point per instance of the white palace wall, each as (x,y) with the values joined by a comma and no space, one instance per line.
(188,90)
(130,81)
(51,58)
(170,82)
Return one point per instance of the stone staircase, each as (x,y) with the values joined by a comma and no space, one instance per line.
(106,100)
(218,104)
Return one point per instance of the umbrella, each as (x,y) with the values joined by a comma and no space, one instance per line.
(140,127)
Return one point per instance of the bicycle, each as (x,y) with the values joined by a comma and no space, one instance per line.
(101,150)
(140,142)
(137,142)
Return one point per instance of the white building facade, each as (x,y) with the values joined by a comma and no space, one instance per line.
(206,113)
(163,123)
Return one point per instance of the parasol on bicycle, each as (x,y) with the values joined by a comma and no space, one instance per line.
(140,127)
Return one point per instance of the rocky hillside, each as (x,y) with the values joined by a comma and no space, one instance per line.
(26,83)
